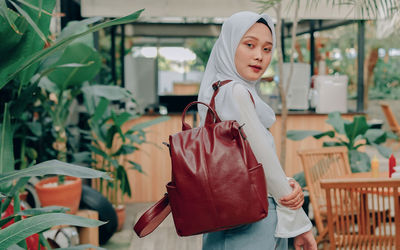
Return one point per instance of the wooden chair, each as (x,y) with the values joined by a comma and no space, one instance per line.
(391,119)
(363,214)
(317,164)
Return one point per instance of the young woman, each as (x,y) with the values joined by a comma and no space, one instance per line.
(242,53)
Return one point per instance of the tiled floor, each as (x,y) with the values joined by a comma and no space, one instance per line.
(163,238)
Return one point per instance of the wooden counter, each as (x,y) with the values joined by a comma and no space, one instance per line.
(155,160)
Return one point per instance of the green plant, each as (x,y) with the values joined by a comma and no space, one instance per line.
(38,219)
(70,62)
(26,28)
(351,134)
(109,142)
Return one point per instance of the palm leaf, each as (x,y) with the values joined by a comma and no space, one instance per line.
(40,55)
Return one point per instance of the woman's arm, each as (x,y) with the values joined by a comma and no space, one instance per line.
(290,222)
(260,143)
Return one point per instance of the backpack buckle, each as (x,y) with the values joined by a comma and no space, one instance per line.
(216,85)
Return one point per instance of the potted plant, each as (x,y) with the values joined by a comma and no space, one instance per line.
(25,25)
(110,141)
(16,221)
(351,134)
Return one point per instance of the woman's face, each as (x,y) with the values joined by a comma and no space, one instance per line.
(253,53)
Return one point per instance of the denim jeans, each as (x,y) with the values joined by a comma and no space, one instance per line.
(254,236)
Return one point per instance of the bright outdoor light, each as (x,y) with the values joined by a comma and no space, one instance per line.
(179,54)
(149,52)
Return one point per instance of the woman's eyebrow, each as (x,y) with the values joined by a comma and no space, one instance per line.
(255,38)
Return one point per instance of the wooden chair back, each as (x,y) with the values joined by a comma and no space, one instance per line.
(317,164)
(363,214)
(391,119)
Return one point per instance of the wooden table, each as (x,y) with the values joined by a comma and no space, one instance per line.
(375,207)
(365,176)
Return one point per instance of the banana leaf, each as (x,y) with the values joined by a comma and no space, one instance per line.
(7,76)
(358,127)
(73,77)
(54,167)
(24,228)
(29,44)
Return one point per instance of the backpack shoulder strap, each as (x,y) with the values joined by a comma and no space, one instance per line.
(216,86)
(153,217)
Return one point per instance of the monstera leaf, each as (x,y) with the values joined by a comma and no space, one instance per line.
(68,77)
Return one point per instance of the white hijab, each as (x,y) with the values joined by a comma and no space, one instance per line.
(221,66)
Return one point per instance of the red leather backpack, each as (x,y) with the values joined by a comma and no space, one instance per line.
(216,183)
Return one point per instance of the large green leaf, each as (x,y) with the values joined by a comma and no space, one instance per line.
(337,122)
(7,76)
(29,44)
(359,161)
(359,126)
(72,28)
(13,38)
(6,143)
(24,228)
(29,19)
(76,27)
(79,53)
(33,212)
(54,167)
(51,86)
(376,136)
(297,135)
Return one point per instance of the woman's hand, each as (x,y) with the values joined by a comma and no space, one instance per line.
(305,241)
(294,200)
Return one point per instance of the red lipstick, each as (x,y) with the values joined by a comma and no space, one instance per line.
(255,68)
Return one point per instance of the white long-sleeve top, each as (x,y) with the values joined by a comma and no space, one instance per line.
(290,222)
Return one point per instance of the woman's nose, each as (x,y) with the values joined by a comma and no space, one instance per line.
(258,55)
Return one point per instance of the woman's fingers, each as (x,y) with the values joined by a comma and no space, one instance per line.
(295,199)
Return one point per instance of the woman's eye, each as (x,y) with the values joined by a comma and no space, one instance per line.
(250,45)
(267,49)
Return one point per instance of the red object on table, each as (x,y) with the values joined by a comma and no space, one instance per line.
(392,163)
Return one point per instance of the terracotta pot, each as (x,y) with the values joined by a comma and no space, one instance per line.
(67,195)
(121,215)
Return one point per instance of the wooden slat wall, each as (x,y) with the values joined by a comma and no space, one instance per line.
(155,160)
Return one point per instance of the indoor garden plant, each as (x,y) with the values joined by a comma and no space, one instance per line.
(109,141)
(25,24)
(351,134)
